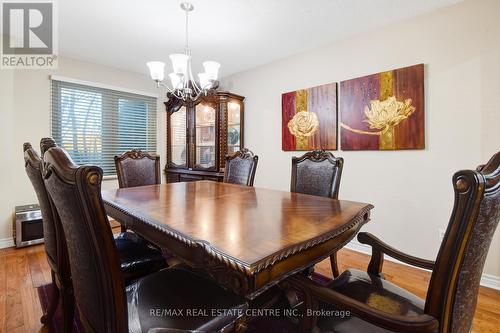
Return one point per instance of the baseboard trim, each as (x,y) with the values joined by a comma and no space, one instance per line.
(487,280)
(6,242)
(490,281)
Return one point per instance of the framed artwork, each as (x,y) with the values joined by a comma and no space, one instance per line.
(383,111)
(309,118)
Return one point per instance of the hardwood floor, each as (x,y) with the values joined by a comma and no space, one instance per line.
(25,269)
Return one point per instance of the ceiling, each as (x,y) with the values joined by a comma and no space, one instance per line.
(240,34)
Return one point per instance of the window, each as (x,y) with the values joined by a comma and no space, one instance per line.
(94,124)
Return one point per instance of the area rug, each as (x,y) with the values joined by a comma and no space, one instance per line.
(44,293)
(265,324)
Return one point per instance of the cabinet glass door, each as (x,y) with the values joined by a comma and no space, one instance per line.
(205,136)
(233,127)
(178,137)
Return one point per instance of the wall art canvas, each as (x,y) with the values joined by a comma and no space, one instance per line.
(309,118)
(383,111)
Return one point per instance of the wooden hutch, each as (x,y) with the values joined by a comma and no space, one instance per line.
(200,134)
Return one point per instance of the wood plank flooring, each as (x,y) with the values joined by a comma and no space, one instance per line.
(21,271)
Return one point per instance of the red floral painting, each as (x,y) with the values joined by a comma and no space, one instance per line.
(309,118)
(383,111)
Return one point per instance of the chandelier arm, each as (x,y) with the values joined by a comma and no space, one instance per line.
(174,92)
(179,94)
(196,88)
(198,95)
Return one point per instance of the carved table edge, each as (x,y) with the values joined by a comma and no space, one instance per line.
(234,263)
(136,215)
(282,278)
(362,216)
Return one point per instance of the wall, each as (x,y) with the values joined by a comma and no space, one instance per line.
(411,190)
(6,135)
(25,116)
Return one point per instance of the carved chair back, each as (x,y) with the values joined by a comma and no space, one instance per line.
(454,285)
(240,168)
(55,245)
(97,281)
(317,173)
(137,168)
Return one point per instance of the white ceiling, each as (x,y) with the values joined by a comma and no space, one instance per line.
(240,34)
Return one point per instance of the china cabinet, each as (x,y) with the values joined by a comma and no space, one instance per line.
(200,134)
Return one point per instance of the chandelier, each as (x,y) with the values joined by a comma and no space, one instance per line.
(183,84)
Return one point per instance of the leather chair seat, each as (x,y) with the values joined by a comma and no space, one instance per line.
(179,299)
(373,291)
(138,257)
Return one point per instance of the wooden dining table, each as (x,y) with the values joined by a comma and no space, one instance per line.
(248,239)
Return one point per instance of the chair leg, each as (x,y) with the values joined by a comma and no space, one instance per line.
(68,305)
(308,271)
(334,263)
(304,323)
(53,302)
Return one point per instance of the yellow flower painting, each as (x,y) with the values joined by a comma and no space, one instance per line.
(309,118)
(384,111)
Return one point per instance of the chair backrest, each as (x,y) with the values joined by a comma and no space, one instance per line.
(99,290)
(240,167)
(317,173)
(454,285)
(52,232)
(137,168)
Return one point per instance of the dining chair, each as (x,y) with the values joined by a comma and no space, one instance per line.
(138,257)
(240,167)
(378,305)
(318,173)
(55,245)
(105,304)
(137,168)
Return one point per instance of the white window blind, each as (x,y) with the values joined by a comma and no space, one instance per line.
(94,124)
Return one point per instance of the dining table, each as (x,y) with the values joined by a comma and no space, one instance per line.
(248,239)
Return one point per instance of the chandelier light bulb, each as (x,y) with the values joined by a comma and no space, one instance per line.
(212,69)
(179,63)
(205,83)
(176,80)
(156,70)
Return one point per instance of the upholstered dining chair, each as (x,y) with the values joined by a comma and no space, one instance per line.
(380,306)
(55,245)
(318,173)
(240,167)
(105,304)
(137,257)
(137,168)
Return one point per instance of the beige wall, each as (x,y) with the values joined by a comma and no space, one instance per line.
(411,190)
(25,116)
(6,149)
